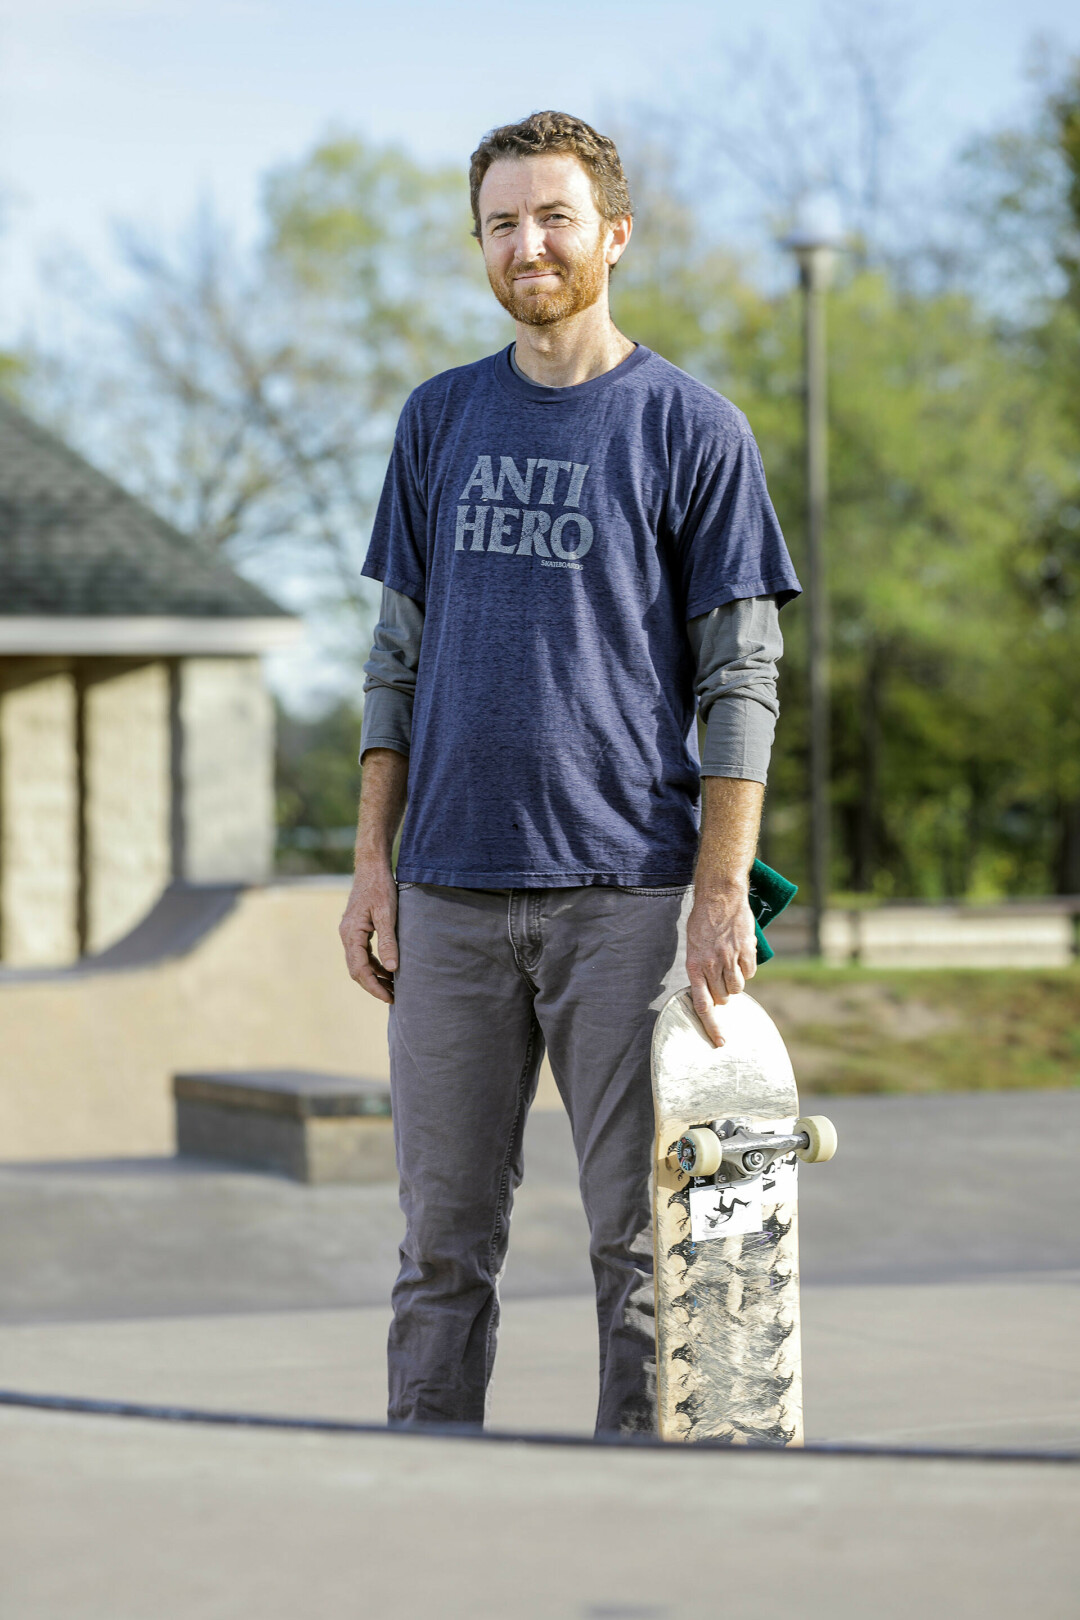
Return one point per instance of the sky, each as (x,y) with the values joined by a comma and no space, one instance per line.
(138,110)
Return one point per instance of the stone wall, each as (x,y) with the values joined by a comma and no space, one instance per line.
(128,798)
(39,809)
(228,767)
(115,777)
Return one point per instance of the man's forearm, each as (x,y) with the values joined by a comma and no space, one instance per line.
(382,803)
(730,824)
(721,953)
(371,908)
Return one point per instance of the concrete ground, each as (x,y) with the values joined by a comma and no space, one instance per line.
(941,1264)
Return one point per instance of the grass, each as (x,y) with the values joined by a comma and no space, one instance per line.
(856,1030)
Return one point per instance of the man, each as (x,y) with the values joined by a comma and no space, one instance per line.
(574,538)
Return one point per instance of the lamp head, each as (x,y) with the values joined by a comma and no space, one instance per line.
(817,232)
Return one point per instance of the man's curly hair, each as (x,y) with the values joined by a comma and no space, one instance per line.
(555,132)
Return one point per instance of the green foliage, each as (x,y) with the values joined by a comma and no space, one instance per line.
(254,402)
(378,248)
(955,733)
(954,715)
(1064,111)
(252,397)
(318,785)
(12,371)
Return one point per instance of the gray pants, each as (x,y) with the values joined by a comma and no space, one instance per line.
(487,979)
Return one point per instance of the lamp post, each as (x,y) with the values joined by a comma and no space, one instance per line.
(814,242)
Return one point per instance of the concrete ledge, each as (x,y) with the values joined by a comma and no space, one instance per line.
(1031,934)
(316,1128)
(897,936)
(144,634)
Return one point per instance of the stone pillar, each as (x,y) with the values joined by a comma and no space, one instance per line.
(226,758)
(126,846)
(39,815)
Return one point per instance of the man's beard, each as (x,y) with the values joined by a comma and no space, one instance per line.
(584,279)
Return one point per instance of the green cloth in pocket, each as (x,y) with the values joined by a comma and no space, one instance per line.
(769,894)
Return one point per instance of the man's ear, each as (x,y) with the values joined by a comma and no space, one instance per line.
(620,235)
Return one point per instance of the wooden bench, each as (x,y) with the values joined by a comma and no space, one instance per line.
(313,1127)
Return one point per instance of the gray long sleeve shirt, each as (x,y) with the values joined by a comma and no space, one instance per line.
(736,648)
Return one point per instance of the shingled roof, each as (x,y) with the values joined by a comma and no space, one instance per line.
(73,543)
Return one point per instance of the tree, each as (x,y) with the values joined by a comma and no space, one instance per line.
(318,779)
(251,397)
(1027,213)
(831,107)
(942,441)
(949,461)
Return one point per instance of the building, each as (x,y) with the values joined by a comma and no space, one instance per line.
(136,730)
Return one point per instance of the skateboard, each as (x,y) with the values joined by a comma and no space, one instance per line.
(728,1146)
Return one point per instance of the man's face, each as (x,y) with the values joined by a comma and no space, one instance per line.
(546,246)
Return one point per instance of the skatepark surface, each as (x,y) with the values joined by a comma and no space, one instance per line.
(941,1306)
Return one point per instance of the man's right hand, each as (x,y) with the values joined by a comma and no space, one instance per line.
(372,904)
(372,909)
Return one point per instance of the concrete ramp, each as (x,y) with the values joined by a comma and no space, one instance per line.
(214,977)
(179,921)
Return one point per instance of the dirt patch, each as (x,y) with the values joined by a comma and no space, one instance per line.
(793,1005)
(856,1030)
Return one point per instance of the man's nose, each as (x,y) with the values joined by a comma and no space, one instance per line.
(530,239)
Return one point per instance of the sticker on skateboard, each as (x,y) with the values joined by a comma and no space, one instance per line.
(717,1212)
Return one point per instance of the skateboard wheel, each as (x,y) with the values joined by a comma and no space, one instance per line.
(822,1143)
(699,1152)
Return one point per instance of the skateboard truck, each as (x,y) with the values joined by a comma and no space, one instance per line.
(702,1151)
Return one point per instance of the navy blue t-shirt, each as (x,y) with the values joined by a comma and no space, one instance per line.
(559,539)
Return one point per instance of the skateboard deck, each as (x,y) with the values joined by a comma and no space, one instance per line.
(729,1140)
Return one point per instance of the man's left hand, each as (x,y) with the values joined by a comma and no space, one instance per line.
(721,952)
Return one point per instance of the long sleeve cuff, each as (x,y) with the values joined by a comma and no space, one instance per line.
(736,648)
(390,684)
(387,720)
(738,738)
